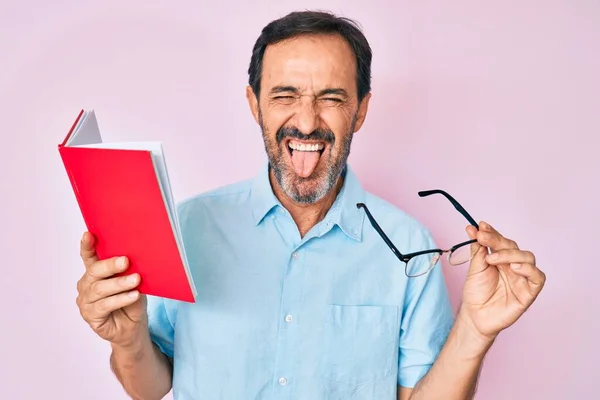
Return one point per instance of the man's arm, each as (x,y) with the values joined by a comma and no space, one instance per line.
(123,317)
(142,369)
(455,373)
(500,286)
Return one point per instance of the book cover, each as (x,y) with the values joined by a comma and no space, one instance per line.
(125,198)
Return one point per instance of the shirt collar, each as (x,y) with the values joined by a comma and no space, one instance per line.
(344,213)
(262,197)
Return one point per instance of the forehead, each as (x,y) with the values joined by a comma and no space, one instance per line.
(311,63)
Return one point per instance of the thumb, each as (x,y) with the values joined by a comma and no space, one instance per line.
(478,252)
(87,249)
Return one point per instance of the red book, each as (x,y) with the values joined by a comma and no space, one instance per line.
(125,198)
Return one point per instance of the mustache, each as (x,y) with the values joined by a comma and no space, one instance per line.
(293,133)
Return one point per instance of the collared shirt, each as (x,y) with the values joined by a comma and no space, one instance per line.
(330,315)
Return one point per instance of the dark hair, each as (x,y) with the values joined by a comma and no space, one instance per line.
(313,22)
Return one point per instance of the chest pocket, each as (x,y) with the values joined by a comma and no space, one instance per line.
(362,352)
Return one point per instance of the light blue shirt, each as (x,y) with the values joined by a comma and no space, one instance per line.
(328,316)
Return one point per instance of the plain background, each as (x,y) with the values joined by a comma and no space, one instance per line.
(496,102)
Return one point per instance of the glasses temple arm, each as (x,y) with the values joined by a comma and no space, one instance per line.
(455,203)
(380,231)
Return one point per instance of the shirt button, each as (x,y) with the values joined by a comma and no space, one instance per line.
(282,381)
(295,254)
(288,318)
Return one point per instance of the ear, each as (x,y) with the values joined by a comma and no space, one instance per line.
(252,103)
(362,112)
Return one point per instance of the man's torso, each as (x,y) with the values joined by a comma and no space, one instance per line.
(279,316)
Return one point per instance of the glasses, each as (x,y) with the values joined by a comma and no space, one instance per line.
(421,262)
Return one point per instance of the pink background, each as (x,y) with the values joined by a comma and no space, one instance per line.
(497,102)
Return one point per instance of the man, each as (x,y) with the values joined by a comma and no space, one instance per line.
(299,296)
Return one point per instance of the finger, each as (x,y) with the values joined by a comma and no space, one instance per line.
(106,268)
(489,237)
(109,287)
(87,250)
(508,256)
(103,307)
(478,252)
(472,233)
(534,275)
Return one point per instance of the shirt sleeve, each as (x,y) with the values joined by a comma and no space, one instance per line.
(426,321)
(161,323)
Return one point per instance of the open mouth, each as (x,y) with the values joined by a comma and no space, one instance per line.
(305,155)
(294,145)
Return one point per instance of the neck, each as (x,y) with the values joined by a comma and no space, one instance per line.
(306,215)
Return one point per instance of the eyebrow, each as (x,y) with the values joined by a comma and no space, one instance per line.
(292,89)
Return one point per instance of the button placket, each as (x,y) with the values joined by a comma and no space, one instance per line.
(290,299)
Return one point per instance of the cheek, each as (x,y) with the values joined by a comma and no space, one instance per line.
(273,121)
(338,119)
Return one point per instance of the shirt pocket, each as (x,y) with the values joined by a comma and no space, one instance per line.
(362,347)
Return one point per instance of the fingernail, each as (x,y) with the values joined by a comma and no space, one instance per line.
(121,262)
(515,266)
(133,294)
(132,278)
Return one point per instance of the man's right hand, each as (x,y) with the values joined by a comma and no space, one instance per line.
(110,305)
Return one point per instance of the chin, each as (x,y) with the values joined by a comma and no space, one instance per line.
(304,190)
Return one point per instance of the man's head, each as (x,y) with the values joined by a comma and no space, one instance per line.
(309,88)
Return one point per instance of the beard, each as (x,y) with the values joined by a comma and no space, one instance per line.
(331,164)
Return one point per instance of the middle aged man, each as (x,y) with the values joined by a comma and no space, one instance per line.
(300,296)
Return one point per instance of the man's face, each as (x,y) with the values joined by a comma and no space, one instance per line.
(308,112)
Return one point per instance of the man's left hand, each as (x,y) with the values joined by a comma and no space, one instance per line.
(501,284)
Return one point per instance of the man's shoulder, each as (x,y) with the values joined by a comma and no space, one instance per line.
(224,195)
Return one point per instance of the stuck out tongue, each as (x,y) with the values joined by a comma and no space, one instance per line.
(305,162)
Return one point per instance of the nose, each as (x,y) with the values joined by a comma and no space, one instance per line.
(307,118)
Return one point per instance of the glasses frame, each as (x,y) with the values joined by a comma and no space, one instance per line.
(405,258)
